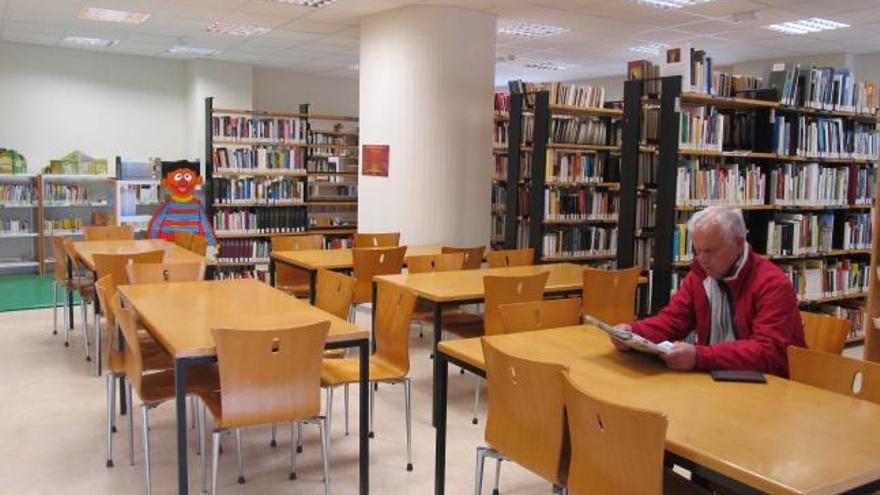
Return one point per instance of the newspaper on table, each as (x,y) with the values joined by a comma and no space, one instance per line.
(631,339)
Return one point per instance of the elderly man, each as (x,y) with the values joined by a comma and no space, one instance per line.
(741,307)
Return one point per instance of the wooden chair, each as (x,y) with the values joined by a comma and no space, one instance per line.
(285,387)
(435,262)
(183,238)
(290,279)
(825,333)
(853,377)
(199,244)
(108,233)
(368,263)
(384,239)
(510,257)
(425,311)
(154,357)
(473,256)
(155,387)
(61,280)
(610,295)
(538,315)
(83,283)
(153,273)
(525,422)
(390,362)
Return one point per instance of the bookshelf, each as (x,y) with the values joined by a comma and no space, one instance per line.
(19,224)
(556,187)
(135,201)
(269,173)
(807,204)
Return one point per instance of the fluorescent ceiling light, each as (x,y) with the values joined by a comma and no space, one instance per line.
(307,3)
(804,26)
(547,66)
(109,15)
(193,51)
(235,29)
(652,48)
(88,42)
(531,30)
(671,4)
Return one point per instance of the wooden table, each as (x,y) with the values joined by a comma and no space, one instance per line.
(331,259)
(86,250)
(466,287)
(181,315)
(782,437)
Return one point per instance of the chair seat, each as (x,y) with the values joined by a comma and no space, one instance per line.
(295,290)
(153,355)
(203,379)
(347,370)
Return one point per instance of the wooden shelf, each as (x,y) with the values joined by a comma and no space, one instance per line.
(17,205)
(582,147)
(563,259)
(844,297)
(255,204)
(726,102)
(585,111)
(257,142)
(826,254)
(741,207)
(332,203)
(338,118)
(578,222)
(259,173)
(779,207)
(333,145)
(258,235)
(563,185)
(17,235)
(240,263)
(328,132)
(262,113)
(332,174)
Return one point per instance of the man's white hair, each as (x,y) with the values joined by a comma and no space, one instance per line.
(729,219)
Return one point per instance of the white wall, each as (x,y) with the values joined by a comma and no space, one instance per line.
(54,100)
(282,90)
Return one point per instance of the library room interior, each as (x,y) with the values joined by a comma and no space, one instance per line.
(410,247)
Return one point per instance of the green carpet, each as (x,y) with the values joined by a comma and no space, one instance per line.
(19,292)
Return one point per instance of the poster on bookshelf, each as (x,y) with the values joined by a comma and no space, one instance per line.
(375,159)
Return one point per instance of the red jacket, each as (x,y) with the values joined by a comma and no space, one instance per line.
(766,317)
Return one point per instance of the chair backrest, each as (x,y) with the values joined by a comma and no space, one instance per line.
(394,310)
(270,376)
(103,288)
(510,257)
(151,273)
(538,315)
(199,244)
(71,258)
(369,262)
(473,256)
(506,290)
(383,239)
(288,276)
(60,254)
(610,295)
(334,293)
(525,421)
(127,321)
(183,238)
(825,332)
(435,263)
(114,265)
(615,450)
(853,377)
(108,233)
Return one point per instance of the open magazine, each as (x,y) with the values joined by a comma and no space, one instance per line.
(633,340)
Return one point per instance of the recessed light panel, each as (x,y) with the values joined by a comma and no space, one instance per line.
(546,66)
(530,30)
(671,4)
(109,15)
(191,51)
(88,42)
(805,26)
(649,48)
(235,29)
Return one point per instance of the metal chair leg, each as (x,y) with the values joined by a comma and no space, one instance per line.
(97,337)
(193,404)
(130,421)
(274,443)
(299,436)
(201,413)
(54,307)
(476,398)
(215,458)
(293,442)
(85,329)
(407,392)
(481,461)
(345,389)
(146,433)
(111,394)
(241,478)
(67,318)
(495,490)
(372,408)
(329,407)
(324,455)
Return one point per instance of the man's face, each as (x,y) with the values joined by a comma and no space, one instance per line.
(714,251)
(181,182)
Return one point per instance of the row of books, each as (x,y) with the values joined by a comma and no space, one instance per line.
(500,134)
(244,251)
(18,194)
(739,134)
(857,231)
(330,191)
(682,244)
(259,129)
(499,172)
(573,130)
(730,85)
(701,127)
(236,273)
(817,279)
(650,124)
(332,164)
(502,103)
(65,193)
(811,184)
(65,224)
(694,67)
(499,197)
(268,190)
(580,241)
(331,151)
(528,129)
(12,226)
(576,95)
(583,204)
(320,138)
(259,158)
(831,138)
(263,221)
(522,235)
(855,315)
(646,71)
(576,167)
(824,88)
(498,227)
(525,166)
(798,235)
(646,210)
(648,168)
(731,185)
(333,216)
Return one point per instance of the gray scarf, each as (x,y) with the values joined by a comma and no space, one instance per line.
(721,304)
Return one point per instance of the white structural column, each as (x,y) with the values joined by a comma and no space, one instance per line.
(426,88)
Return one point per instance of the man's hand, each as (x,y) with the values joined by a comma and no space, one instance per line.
(617,342)
(682,357)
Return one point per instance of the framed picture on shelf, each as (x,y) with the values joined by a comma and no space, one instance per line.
(375,159)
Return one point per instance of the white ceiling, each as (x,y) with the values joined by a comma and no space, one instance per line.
(325,41)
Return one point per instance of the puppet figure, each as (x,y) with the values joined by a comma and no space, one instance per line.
(182,210)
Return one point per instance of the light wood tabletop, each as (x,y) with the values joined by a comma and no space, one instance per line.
(338,259)
(173,253)
(779,437)
(181,315)
(467,285)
